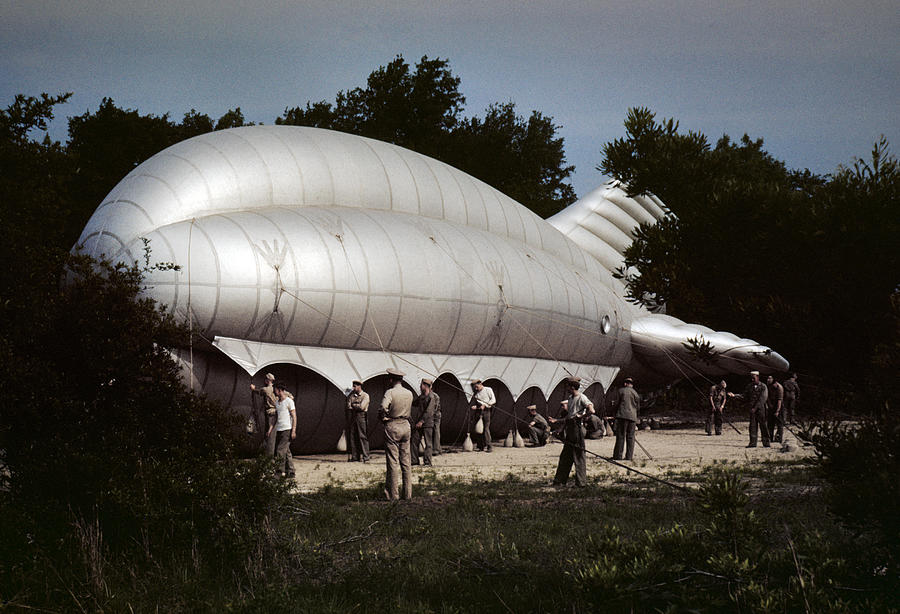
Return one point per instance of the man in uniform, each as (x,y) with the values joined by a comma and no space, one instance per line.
(577,407)
(594,427)
(426,405)
(717,398)
(395,411)
(538,428)
(482,404)
(357,410)
(756,395)
(285,430)
(628,403)
(774,407)
(791,396)
(436,436)
(267,393)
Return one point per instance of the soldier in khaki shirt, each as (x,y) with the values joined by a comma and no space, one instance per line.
(265,425)
(357,409)
(396,407)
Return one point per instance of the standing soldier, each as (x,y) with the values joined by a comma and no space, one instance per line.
(628,403)
(717,399)
(482,404)
(395,410)
(436,436)
(756,395)
(577,408)
(774,405)
(791,396)
(538,428)
(427,404)
(285,428)
(357,410)
(267,393)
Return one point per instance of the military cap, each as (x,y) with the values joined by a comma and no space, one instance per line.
(427,381)
(476,381)
(356,382)
(574,380)
(628,380)
(396,372)
(530,407)
(270,377)
(754,373)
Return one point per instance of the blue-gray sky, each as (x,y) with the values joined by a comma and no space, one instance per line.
(818,80)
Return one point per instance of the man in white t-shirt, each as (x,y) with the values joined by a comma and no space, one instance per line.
(285,428)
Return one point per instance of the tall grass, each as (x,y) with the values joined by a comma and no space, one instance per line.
(757,542)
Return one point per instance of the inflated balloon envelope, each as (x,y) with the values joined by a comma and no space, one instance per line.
(327,257)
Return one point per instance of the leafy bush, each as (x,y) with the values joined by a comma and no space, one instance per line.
(110,463)
(861,463)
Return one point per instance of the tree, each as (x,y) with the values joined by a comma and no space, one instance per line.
(802,262)
(415,110)
(105,456)
(522,158)
(421,110)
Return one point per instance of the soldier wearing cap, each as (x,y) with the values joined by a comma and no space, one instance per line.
(775,409)
(577,407)
(756,394)
(265,424)
(436,435)
(357,410)
(717,398)
(627,405)
(395,411)
(426,405)
(538,428)
(791,396)
(482,404)
(594,427)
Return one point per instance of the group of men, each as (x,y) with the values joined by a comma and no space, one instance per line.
(772,406)
(413,422)
(280,423)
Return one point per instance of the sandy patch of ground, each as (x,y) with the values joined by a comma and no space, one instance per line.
(672,450)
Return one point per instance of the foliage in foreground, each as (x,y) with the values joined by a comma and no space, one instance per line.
(105,455)
(861,463)
(749,544)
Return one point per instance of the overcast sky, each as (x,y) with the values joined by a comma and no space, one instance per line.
(819,81)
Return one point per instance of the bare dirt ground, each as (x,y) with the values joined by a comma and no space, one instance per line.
(672,451)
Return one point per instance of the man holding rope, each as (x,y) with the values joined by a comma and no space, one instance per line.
(573,435)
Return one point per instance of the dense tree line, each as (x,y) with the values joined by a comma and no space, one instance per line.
(808,264)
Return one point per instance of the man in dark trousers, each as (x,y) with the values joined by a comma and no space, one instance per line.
(755,394)
(424,409)
(577,407)
(357,409)
(267,420)
(791,396)
(482,405)
(717,398)
(538,428)
(628,403)
(775,409)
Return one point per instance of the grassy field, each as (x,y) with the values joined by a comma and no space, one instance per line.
(749,539)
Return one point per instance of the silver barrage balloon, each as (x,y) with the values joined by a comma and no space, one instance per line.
(325,257)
